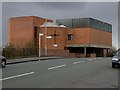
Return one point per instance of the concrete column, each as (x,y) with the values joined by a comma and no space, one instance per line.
(85,51)
(107,52)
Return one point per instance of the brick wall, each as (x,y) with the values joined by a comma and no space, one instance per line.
(61,39)
(93,55)
(90,36)
(80,36)
(21,29)
(37,21)
(53,52)
(100,37)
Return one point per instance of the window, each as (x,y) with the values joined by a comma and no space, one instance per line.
(35,32)
(70,36)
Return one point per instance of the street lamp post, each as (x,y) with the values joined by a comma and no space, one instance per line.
(46,38)
(40,36)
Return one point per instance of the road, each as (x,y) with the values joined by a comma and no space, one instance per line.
(61,73)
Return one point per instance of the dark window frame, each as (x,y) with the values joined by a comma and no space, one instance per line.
(70,37)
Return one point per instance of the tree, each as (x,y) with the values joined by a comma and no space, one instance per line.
(112,51)
(8,51)
(30,49)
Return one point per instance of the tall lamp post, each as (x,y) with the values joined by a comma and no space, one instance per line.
(40,36)
(85,45)
(46,33)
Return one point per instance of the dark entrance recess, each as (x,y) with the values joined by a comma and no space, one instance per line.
(76,49)
(92,50)
(89,50)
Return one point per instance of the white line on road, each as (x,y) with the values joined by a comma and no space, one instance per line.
(16,76)
(90,59)
(56,67)
(78,62)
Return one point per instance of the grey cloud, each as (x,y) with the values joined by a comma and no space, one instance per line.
(65,5)
(60,0)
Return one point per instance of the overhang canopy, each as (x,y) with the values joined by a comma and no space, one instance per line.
(88,45)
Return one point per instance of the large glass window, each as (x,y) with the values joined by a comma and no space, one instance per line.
(86,23)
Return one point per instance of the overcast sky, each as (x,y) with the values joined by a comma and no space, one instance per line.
(105,11)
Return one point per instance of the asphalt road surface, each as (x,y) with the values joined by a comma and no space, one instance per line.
(61,73)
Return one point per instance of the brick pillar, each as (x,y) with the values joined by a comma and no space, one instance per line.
(104,52)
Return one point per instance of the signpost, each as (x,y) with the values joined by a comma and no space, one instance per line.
(40,36)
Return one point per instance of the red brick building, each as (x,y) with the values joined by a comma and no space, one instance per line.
(21,30)
(70,38)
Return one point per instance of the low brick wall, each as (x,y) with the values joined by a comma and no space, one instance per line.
(93,55)
(78,55)
(64,53)
(72,55)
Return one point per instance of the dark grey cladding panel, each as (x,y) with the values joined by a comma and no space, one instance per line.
(86,23)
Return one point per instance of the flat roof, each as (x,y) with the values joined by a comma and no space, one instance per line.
(87,18)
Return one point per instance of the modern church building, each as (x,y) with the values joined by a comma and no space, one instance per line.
(77,37)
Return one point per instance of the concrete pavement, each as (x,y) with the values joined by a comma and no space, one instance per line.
(22,60)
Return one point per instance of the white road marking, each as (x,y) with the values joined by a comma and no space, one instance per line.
(16,76)
(90,59)
(56,67)
(78,62)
